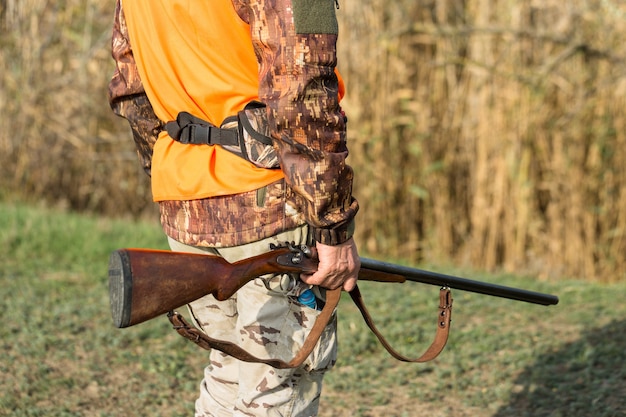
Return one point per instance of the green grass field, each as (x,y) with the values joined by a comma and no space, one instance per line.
(61,355)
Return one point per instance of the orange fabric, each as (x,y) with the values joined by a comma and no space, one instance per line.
(193,69)
(342,85)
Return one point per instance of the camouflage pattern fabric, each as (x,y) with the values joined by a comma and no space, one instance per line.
(267,324)
(300,89)
(252,126)
(144,125)
(232,220)
(304,115)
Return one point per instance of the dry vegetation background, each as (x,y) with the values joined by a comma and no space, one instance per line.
(491,134)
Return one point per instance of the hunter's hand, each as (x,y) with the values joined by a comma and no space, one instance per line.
(338,266)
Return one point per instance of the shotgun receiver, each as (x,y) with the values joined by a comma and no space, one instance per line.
(144,283)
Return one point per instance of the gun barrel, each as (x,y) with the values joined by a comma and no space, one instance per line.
(464,284)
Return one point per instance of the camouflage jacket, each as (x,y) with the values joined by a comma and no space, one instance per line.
(306,122)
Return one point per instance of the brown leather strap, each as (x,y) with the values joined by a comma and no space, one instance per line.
(206,342)
(444,318)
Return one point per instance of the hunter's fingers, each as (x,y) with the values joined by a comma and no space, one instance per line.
(349,284)
(338,266)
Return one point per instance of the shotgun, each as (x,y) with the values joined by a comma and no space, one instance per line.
(145,283)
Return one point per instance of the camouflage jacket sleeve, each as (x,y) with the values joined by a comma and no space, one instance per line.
(126,93)
(295,44)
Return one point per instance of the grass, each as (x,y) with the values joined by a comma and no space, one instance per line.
(61,356)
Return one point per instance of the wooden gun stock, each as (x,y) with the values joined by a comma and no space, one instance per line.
(144,283)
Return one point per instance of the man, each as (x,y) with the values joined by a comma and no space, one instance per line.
(185,65)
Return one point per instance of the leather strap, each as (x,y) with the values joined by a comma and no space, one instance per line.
(206,342)
(332,300)
(444,318)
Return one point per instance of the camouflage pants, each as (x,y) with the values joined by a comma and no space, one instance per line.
(267,323)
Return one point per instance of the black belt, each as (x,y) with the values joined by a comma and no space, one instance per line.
(192,130)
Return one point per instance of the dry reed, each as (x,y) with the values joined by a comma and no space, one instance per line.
(490,134)
(60,141)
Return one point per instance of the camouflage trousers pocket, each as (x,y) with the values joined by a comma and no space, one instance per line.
(298,323)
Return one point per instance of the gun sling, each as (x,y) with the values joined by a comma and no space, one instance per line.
(332,300)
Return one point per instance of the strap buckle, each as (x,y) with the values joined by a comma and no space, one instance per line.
(189,129)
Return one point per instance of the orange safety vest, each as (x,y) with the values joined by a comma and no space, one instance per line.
(187,64)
